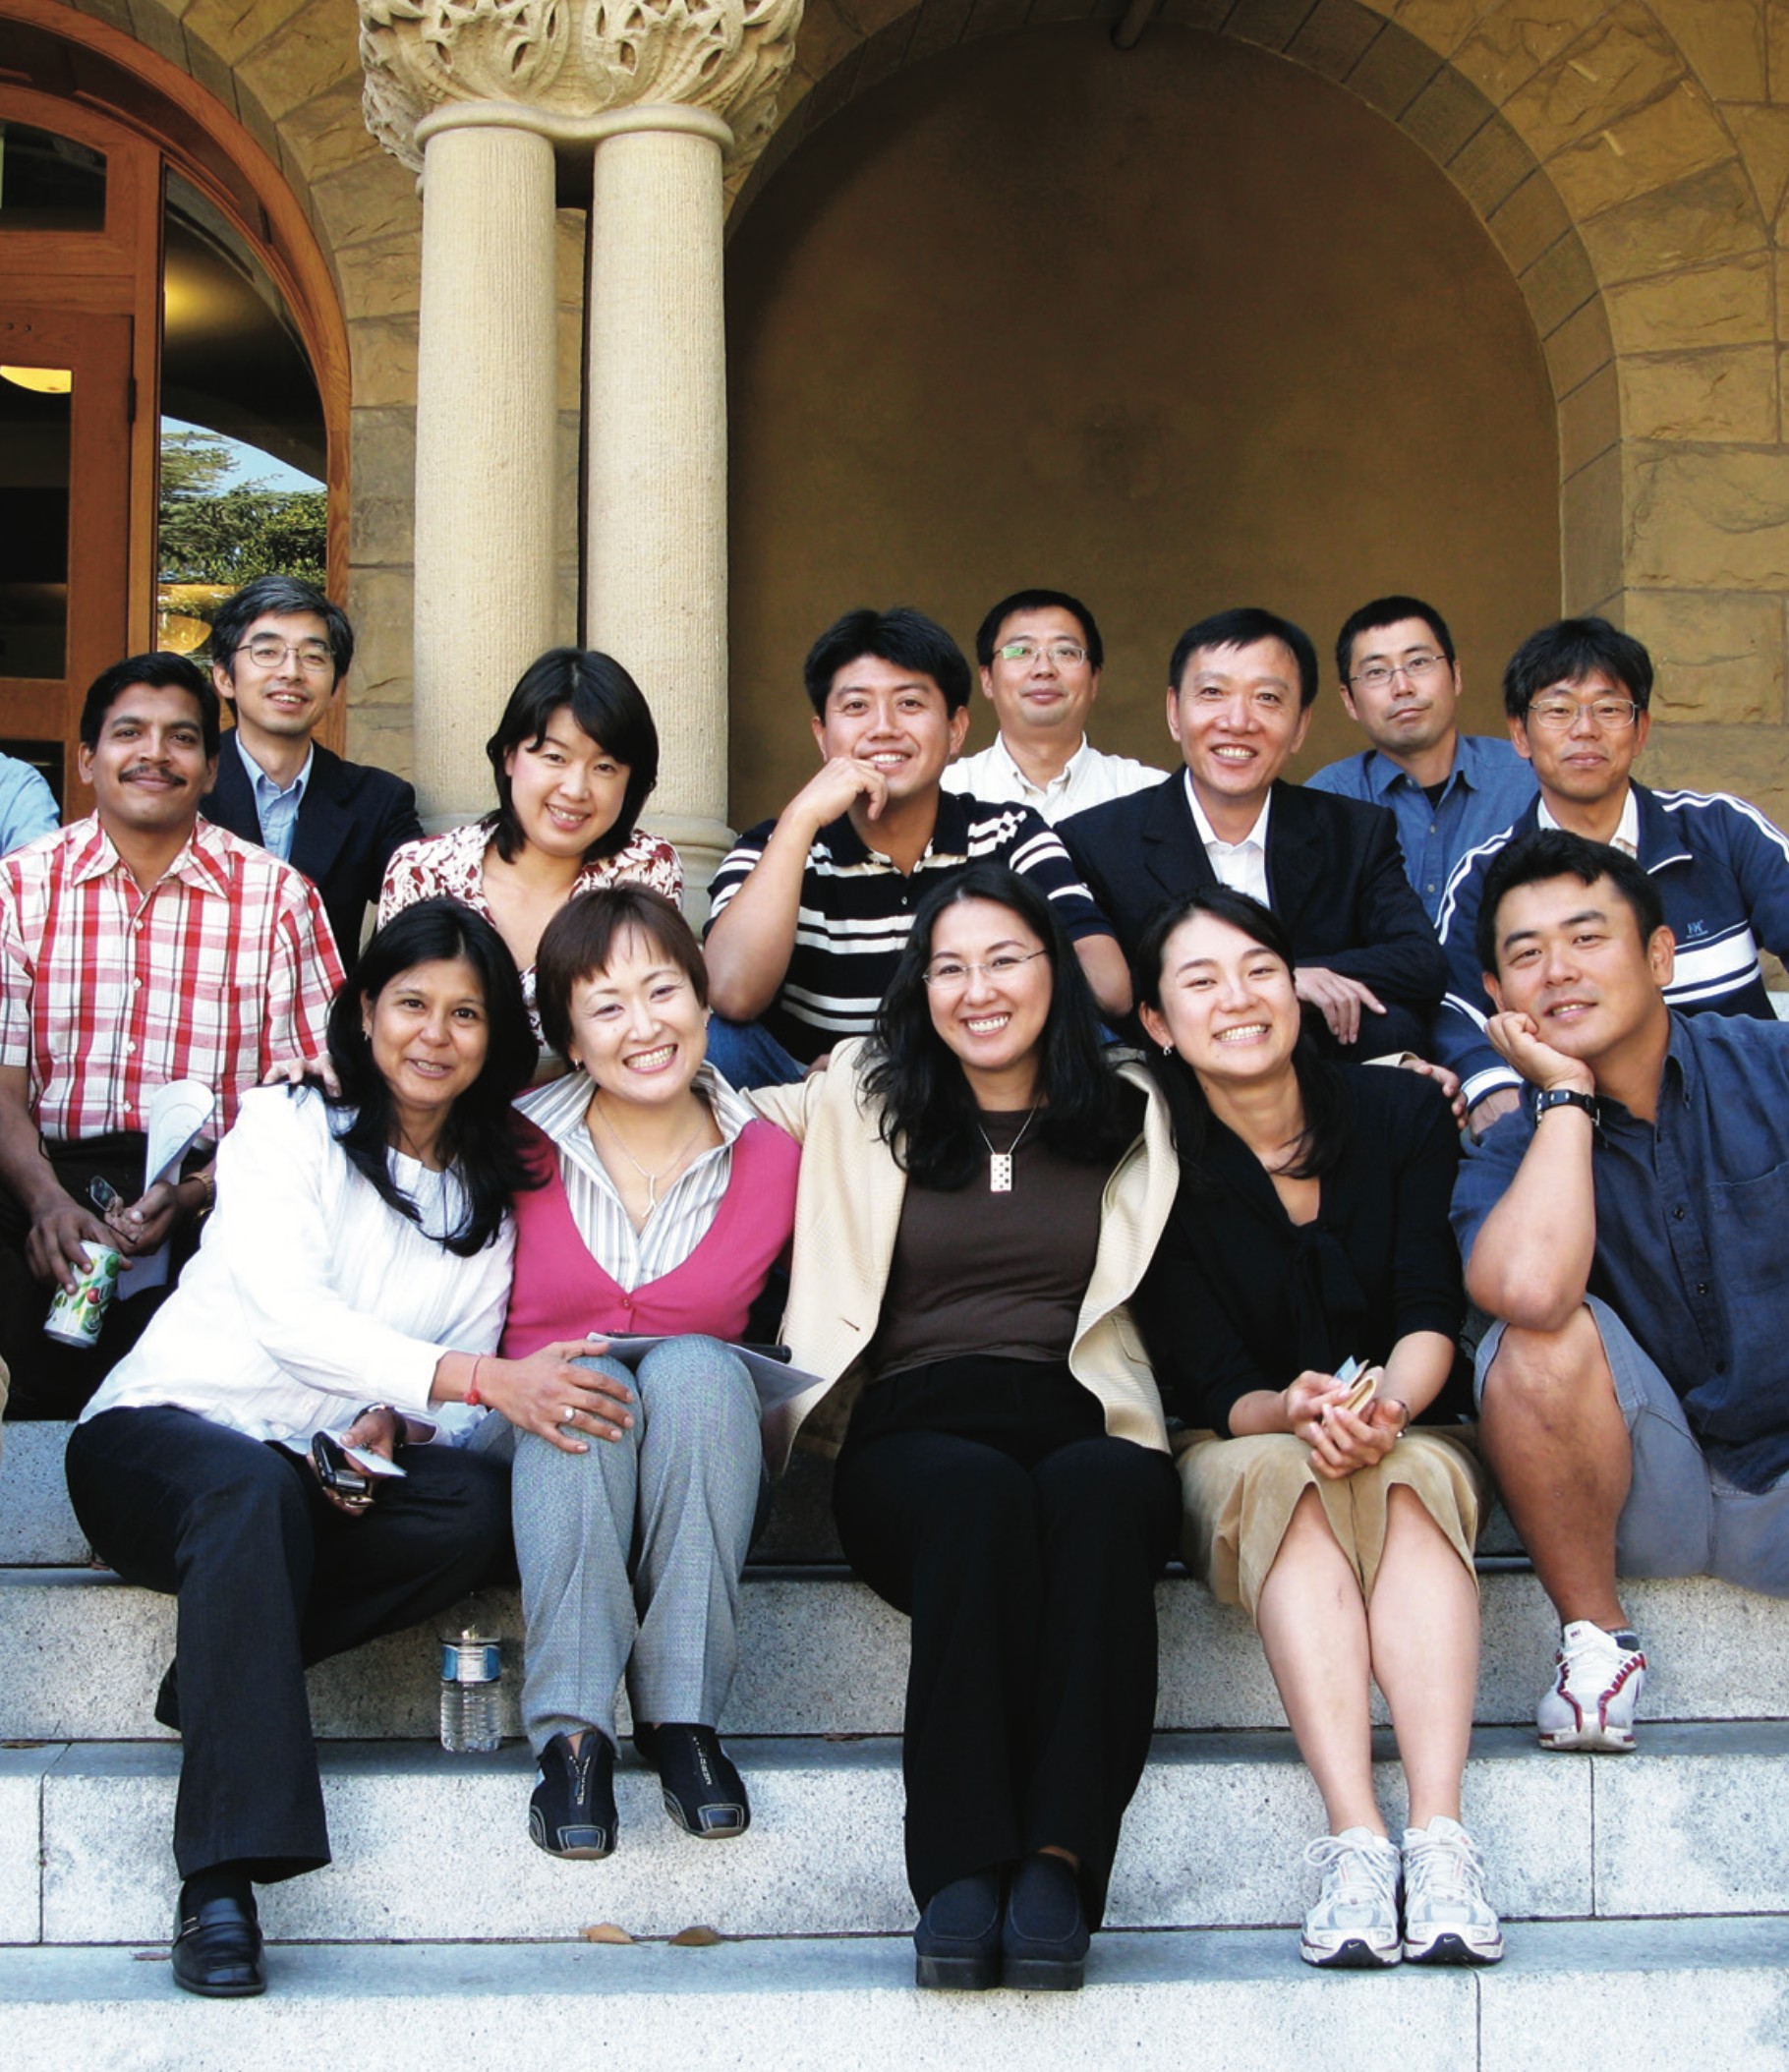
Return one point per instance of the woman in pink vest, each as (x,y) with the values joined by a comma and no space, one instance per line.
(664,1208)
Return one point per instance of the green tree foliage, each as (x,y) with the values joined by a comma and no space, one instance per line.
(230,535)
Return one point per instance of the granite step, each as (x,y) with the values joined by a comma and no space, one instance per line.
(435,1846)
(1682,1993)
(85,1652)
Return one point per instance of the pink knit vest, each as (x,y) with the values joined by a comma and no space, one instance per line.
(561,1292)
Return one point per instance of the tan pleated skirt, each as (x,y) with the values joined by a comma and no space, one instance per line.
(1240,1494)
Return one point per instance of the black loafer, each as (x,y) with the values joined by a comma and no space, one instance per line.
(1044,1937)
(703,1792)
(572,1812)
(957,1944)
(218,1951)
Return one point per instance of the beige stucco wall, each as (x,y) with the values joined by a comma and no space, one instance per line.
(1174,329)
(1629,161)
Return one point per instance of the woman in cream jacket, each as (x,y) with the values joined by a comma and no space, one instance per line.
(981,1191)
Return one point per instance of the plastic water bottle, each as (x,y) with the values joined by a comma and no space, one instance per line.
(472,1693)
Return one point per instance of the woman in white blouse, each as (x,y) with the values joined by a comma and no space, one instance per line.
(361,1247)
(575,757)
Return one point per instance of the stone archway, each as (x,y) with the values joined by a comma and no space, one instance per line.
(1631,162)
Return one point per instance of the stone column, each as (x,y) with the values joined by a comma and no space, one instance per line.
(657,99)
(655,438)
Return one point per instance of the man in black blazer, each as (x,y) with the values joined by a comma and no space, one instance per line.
(1241,685)
(280,650)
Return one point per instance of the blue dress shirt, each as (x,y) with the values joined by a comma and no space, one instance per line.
(1691,1216)
(276,810)
(1488,785)
(28,805)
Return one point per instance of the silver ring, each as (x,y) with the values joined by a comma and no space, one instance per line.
(568,1412)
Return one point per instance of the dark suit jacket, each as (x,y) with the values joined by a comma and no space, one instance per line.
(1335,878)
(350,819)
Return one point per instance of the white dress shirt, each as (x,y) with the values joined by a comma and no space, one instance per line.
(1089,778)
(309,1296)
(1240,865)
(1626,836)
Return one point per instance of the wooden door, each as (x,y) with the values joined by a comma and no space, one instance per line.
(65,515)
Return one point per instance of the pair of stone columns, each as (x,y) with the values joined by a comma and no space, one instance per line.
(488,99)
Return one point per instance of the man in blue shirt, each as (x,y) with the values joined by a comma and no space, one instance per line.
(1576,694)
(280,650)
(1446,790)
(28,805)
(1625,1227)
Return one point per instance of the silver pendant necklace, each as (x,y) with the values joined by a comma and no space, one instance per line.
(1000,1162)
(665,1171)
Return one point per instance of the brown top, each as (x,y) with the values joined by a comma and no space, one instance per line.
(1000,1274)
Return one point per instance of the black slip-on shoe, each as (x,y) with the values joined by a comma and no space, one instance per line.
(957,1944)
(572,1812)
(218,1950)
(1044,1937)
(703,1791)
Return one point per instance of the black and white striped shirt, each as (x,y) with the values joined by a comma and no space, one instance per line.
(858,907)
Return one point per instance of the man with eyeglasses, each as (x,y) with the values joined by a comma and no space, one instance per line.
(1448,792)
(1040,655)
(1577,695)
(279,653)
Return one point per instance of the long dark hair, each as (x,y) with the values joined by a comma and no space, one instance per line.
(929,1117)
(608,706)
(1322,1086)
(480,1133)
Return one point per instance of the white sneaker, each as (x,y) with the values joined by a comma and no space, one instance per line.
(1596,1685)
(1447,1919)
(1353,1925)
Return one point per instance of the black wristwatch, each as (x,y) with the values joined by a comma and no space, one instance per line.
(1566,1097)
(403,1428)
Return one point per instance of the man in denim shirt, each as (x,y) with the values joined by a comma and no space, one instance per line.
(1448,792)
(1625,1227)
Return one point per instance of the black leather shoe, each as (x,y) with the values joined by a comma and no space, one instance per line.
(1044,1937)
(218,1950)
(703,1792)
(572,1812)
(957,1944)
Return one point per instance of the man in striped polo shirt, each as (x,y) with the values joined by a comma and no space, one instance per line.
(1577,695)
(809,912)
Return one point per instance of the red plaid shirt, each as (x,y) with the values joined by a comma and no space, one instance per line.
(225,967)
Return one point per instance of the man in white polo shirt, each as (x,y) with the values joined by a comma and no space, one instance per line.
(1040,654)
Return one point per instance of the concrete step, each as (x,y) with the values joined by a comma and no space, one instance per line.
(85,1652)
(1683,1992)
(432,1846)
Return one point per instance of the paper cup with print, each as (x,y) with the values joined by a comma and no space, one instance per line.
(74,1319)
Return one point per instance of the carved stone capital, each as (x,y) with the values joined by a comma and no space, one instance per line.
(574,69)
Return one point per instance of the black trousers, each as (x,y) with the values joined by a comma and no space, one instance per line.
(50,1379)
(271,1578)
(984,1499)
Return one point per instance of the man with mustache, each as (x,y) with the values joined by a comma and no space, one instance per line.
(138,946)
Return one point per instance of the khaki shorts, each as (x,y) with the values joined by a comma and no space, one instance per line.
(1240,1494)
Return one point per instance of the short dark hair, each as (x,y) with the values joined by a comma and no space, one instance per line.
(1038,600)
(1322,1087)
(900,635)
(1552,852)
(1241,628)
(282,596)
(161,671)
(481,1133)
(1568,651)
(580,940)
(928,1112)
(604,703)
(1387,612)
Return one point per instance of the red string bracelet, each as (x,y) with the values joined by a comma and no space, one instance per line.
(473,1398)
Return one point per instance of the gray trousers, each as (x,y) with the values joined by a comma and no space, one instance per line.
(631,1553)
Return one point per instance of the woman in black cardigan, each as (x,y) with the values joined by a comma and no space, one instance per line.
(1311,1227)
